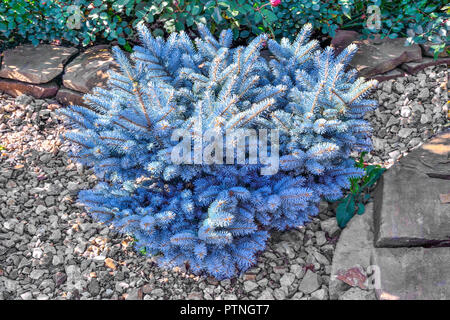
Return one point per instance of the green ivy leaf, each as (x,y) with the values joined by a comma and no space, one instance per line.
(430,9)
(393,35)
(127,47)
(158,32)
(86,41)
(345,211)
(346,11)
(217,15)
(121,41)
(342,216)
(143,251)
(437,49)
(196,10)
(179,26)
(360,209)
(258,18)
(271,17)
(189,21)
(244,34)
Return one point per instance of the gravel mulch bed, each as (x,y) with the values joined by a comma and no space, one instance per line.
(51,249)
(411,110)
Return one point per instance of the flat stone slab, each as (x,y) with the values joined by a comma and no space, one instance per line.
(376,58)
(358,294)
(393,74)
(408,208)
(69,97)
(39,91)
(413,67)
(36,65)
(89,69)
(413,273)
(343,38)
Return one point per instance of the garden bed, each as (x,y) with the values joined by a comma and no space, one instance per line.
(51,249)
(212,222)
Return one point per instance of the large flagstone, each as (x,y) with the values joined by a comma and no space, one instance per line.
(89,69)
(36,65)
(408,206)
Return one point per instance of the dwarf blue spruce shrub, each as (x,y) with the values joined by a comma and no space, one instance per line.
(215,218)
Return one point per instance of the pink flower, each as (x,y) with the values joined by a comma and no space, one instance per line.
(275,3)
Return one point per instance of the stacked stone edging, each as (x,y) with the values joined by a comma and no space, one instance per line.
(89,69)
(409,215)
(36,65)
(40,91)
(387,59)
(400,244)
(36,71)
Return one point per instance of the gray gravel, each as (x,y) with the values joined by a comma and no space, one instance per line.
(412,109)
(51,249)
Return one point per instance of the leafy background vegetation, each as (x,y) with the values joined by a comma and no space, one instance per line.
(107,20)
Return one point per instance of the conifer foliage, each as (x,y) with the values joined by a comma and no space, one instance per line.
(215,218)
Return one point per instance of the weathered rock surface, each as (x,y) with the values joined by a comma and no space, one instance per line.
(413,67)
(343,38)
(36,65)
(377,58)
(372,59)
(413,273)
(89,69)
(393,74)
(358,294)
(408,210)
(408,273)
(69,97)
(16,88)
(310,282)
(353,250)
